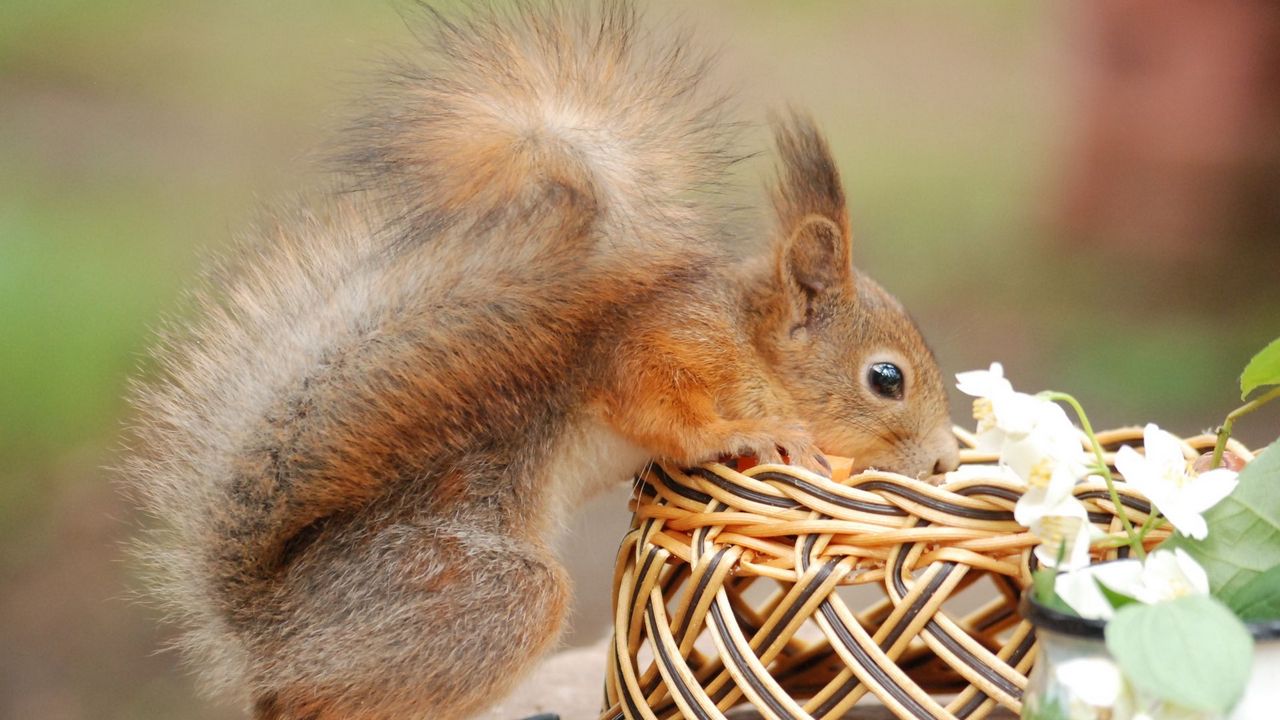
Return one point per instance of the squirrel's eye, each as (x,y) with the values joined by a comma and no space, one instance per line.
(886,380)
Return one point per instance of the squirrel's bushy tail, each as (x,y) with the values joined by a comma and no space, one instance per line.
(509,101)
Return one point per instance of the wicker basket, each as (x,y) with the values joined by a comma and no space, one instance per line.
(734,589)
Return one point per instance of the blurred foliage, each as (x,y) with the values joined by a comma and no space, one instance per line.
(136,136)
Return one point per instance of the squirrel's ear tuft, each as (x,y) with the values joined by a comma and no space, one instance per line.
(808,183)
(815,252)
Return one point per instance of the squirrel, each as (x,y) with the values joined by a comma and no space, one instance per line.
(524,285)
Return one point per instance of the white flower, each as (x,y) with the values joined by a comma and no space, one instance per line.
(986,386)
(1048,431)
(1004,413)
(1048,460)
(1079,588)
(1033,436)
(1000,411)
(1095,682)
(1065,531)
(1168,576)
(1037,441)
(1165,477)
(1162,576)
(984,383)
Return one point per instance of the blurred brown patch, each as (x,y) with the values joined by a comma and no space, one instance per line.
(1174,154)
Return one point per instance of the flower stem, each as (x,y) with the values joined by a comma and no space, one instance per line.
(1113,541)
(1135,542)
(1224,431)
(1153,521)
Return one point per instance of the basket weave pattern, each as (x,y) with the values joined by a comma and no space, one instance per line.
(728,591)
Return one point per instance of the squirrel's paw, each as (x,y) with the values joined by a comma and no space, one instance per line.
(770,439)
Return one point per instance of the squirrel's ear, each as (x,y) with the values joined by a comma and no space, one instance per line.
(815,258)
(816,250)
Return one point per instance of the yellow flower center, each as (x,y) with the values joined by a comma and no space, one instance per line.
(1179,478)
(1040,474)
(1180,588)
(984,412)
(1059,531)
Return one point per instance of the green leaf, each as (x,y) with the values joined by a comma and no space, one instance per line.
(1259,599)
(1192,652)
(1244,529)
(1262,370)
(1044,588)
(1117,600)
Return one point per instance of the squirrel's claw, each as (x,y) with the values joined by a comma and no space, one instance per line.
(823,463)
(813,461)
(779,442)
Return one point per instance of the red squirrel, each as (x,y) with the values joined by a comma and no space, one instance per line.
(524,285)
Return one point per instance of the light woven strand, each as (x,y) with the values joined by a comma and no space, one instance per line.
(726,591)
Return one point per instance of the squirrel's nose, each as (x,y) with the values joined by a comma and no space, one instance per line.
(948,454)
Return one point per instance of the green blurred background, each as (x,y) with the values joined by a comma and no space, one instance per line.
(138,136)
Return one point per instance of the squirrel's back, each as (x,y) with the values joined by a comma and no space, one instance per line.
(504,195)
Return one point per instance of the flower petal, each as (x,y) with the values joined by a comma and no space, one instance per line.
(1208,489)
(1018,413)
(1122,576)
(1053,498)
(1163,449)
(1079,588)
(1133,467)
(983,473)
(1051,438)
(1095,681)
(990,440)
(984,383)
(1168,575)
(1064,533)
(1186,519)
(1192,571)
